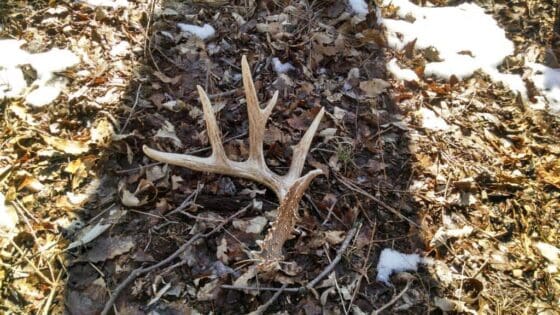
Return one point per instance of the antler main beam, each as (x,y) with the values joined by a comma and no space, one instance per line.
(289,188)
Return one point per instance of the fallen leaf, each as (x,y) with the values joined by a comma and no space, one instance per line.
(31,183)
(221,251)
(374,87)
(209,291)
(254,226)
(167,79)
(129,199)
(550,172)
(334,237)
(108,248)
(88,234)
(66,146)
(168,131)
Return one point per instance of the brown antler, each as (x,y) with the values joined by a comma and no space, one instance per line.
(289,188)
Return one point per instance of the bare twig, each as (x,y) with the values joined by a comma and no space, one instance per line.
(261,309)
(357,189)
(48,303)
(393,300)
(339,253)
(140,271)
(33,266)
(222,94)
(132,109)
(242,288)
(349,236)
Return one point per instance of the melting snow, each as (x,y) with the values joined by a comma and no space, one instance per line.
(547,80)
(280,67)
(393,261)
(400,73)
(203,32)
(467,40)
(8,219)
(431,121)
(47,85)
(359,6)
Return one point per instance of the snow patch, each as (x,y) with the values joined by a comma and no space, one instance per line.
(47,86)
(203,32)
(359,7)
(280,67)
(431,121)
(121,49)
(400,73)
(8,219)
(394,261)
(547,81)
(463,46)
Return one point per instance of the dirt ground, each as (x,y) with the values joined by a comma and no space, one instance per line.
(100,220)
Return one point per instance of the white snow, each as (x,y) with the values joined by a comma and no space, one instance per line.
(47,86)
(120,49)
(280,67)
(8,220)
(431,121)
(394,261)
(359,6)
(466,38)
(549,252)
(203,32)
(107,3)
(400,73)
(547,81)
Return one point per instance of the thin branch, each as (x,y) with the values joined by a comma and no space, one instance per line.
(349,236)
(357,189)
(132,109)
(140,271)
(261,309)
(339,253)
(393,300)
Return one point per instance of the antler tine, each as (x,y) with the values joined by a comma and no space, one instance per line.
(214,134)
(257,116)
(302,148)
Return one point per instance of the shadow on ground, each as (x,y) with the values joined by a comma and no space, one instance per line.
(362,145)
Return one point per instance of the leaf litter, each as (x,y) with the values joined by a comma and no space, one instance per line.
(470,167)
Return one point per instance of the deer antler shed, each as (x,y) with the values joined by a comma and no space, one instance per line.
(289,188)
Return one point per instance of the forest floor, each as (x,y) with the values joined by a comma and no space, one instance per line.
(86,211)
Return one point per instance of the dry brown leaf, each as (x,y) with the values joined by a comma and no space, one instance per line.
(209,291)
(550,172)
(334,237)
(31,183)
(66,146)
(168,131)
(254,226)
(108,248)
(374,87)
(221,251)
(167,79)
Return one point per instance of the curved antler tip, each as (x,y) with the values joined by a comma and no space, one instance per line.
(149,152)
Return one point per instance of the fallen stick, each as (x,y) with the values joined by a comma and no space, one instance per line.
(349,236)
(393,300)
(140,271)
(261,309)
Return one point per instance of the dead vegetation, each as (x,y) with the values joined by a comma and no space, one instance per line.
(100,224)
